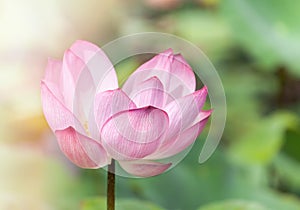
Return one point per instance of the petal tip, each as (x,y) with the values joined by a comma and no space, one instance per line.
(82,43)
(205,88)
(207,113)
(168,52)
(202,92)
(67,129)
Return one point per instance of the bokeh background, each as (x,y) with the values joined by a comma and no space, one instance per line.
(255,47)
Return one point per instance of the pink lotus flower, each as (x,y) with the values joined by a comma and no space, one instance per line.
(155,115)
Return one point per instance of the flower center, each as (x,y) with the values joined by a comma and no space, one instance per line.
(86,128)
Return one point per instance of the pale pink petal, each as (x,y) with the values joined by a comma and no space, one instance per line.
(92,126)
(53,70)
(57,115)
(172,70)
(83,101)
(162,61)
(53,87)
(81,150)
(183,111)
(109,103)
(73,65)
(144,168)
(201,116)
(183,71)
(134,134)
(84,50)
(84,58)
(52,77)
(154,67)
(99,65)
(149,93)
(97,75)
(72,68)
(184,139)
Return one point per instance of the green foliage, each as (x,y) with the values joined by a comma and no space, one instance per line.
(268,133)
(257,165)
(287,170)
(205,29)
(122,204)
(234,205)
(268,30)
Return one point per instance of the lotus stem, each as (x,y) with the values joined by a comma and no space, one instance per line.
(111,186)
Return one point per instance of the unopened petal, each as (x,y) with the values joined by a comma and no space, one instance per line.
(183,111)
(81,150)
(144,168)
(184,139)
(109,103)
(184,72)
(134,134)
(149,93)
(172,70)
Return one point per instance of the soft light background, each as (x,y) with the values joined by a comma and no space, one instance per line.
(255,46)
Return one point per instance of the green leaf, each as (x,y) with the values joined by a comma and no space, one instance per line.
(122,204)
(241,99)
(268,30)
(292,144)
(277,201)
(287,170)
(234,205)
(263,141)
(124,69)
(205,29)
(94,203)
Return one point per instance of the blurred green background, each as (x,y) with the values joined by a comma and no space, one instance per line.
(254,45)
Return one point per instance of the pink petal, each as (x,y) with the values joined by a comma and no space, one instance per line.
(83,102)
(144,168)
(109,103)
(86,58)
(183,111)
(182,81)
(97,76)
(57,115)
(172,70)
(183,71)
(162,61)
(81,150)
(72,68)
(84,50)
(204,114)
(53,70)
(52,77)
(184,139)
(53,88)
(134,134)
(97,62)
(73,65)
(149,93)
(96,71)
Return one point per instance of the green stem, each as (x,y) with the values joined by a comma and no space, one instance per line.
(111,186)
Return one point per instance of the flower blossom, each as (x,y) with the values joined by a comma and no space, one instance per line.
(155,115)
